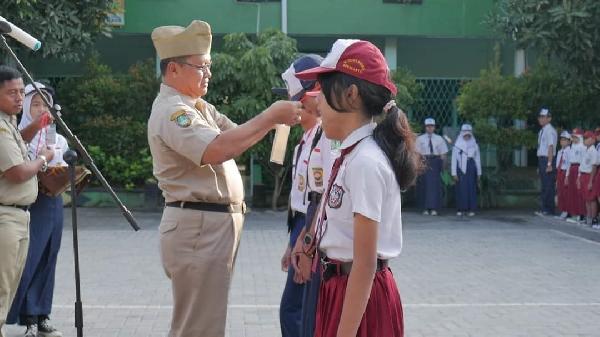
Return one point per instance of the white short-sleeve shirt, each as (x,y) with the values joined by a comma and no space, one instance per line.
(438,143)
(365,184)
(563,154)
(546,137)
(590,158)
(576,153)
(311,172)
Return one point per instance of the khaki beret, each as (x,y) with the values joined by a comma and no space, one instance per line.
(174,41)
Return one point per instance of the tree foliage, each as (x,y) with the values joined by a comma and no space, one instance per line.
(565,30)
(66,28)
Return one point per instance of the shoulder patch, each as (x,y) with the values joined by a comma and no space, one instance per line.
(181,118)
(3,130)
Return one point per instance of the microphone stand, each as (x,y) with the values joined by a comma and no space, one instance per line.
(55,111)
(71,158)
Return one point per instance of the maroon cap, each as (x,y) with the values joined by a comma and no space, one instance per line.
(589,134)
(357,58)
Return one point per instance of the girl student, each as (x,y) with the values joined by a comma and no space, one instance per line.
(587,174)
(562,165)
(359,227)
(575,202)
(466,171)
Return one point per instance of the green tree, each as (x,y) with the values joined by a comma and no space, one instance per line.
(565,30)
(244,71)
(66,28)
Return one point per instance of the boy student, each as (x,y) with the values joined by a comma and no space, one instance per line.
(562,165)
(587,173)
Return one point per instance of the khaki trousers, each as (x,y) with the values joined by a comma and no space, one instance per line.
(198,251)
(14,242)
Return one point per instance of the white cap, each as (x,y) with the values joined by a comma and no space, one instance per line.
(545,112)
(466,128)
(565,134)
(429,121)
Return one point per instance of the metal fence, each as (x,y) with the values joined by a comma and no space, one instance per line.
(437,101)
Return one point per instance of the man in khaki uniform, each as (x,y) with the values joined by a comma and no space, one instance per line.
(18,187)
(193,147)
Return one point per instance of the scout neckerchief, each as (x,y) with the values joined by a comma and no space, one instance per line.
(321,225)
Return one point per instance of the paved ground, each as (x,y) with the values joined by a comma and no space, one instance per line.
(498,274)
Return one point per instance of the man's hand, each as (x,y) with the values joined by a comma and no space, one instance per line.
(48,153)
(284,112)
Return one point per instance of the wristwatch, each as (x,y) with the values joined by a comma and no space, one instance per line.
(308,239)
(45,164)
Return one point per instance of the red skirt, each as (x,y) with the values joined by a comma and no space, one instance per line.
(597,183)
(586,193)
(383,316)
(575,202)
(561,190)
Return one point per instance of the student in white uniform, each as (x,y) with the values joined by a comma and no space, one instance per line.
(466,171)
(575,202)
(360,225)
(587,174)
(562,166)
(308,176)
(547,143)
(429,185)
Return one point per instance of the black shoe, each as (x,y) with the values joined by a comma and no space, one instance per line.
(47,330)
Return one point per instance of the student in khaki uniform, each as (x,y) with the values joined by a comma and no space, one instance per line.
(18,186)
(193,147)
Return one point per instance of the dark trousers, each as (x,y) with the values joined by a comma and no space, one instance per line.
(34,296)
(290,309)
(311,289)
(548,181)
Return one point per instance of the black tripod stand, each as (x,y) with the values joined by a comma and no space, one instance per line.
(70,157)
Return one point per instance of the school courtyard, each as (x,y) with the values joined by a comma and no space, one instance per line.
(501,273)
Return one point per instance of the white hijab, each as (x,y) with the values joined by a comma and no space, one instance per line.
(39,140)
(466,148)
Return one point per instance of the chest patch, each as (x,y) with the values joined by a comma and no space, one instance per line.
(318,176)
(335,196)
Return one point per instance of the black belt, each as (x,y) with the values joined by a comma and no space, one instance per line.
(314,197)
(24,208)
(335,268)
(209,207)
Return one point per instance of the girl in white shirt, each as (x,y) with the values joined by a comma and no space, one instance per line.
(562,165)
(575,202)
(466,170)
(359,227)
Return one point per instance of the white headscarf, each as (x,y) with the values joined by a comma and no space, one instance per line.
(39,140)
(466,148)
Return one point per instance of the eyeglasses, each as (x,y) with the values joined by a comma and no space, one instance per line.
(202,68)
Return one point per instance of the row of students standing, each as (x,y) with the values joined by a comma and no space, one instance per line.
(578,177)
(465,168)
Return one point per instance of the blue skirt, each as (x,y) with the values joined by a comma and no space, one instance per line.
(466,188)
(36,289)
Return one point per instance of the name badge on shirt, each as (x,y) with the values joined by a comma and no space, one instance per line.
(335,196)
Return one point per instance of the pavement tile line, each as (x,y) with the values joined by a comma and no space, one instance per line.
(409,305)
(576,237)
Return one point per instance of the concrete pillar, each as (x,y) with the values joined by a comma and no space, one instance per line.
(520,155)
(391,52)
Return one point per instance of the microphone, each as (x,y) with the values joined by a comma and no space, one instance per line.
(19,35)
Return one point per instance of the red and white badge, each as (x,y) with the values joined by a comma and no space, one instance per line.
(335,196)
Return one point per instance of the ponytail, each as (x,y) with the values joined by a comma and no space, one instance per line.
(393,135)
(397,140)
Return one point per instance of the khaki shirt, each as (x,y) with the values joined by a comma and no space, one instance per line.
(179,130)
(13,152)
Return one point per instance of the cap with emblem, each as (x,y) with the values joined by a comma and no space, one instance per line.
(174,41)
(429,121)
(357,58)
(545,113)
(296,88)
(565,134)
